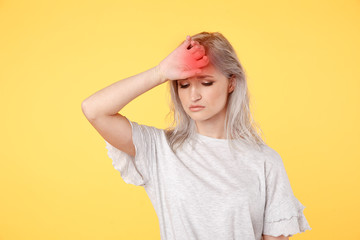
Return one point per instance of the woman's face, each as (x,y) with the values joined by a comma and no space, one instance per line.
(209,92)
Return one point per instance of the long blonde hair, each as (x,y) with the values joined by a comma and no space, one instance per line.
(239,123)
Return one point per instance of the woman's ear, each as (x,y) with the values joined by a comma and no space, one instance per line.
(232,83)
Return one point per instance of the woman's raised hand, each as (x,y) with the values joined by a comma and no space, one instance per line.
(184,62)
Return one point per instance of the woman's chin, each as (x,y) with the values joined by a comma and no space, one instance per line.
(198,117)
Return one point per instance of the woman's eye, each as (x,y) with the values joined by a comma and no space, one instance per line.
(205,84)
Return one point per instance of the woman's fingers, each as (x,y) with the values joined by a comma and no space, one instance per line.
(195,57)
(202,62)
(194,49)
(197,48)
(195,42)
(199,53)
(187,42)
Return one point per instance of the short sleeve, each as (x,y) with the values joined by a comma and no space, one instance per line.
(283,213)
(137,170)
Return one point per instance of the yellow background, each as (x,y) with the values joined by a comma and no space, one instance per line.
(302,61)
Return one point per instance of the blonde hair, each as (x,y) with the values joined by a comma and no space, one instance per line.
(239,123)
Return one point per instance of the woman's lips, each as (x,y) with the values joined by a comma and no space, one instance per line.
(196,109)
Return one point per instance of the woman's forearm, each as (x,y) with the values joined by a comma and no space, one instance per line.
(111,99)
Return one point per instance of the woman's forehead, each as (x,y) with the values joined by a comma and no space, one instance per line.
(207,72)
(200,76)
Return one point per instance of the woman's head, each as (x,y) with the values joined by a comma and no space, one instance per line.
(229,90)
(208,90)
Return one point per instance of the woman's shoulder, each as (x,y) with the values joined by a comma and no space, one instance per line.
(262,152)
(271,156)
(266,149)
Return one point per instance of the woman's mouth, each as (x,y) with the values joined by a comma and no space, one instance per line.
(196,108)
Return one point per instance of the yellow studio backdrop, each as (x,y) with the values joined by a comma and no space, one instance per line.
(302,62)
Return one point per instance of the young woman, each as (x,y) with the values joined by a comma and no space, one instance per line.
(209,175)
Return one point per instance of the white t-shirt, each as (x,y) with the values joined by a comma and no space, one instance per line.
(204,192)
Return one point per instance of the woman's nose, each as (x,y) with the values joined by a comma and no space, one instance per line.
(195,94)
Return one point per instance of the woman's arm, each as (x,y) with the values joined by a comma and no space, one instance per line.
(282,237)
(182,63)
(111,99)
(101,108)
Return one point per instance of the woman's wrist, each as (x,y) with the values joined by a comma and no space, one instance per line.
(159,74)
